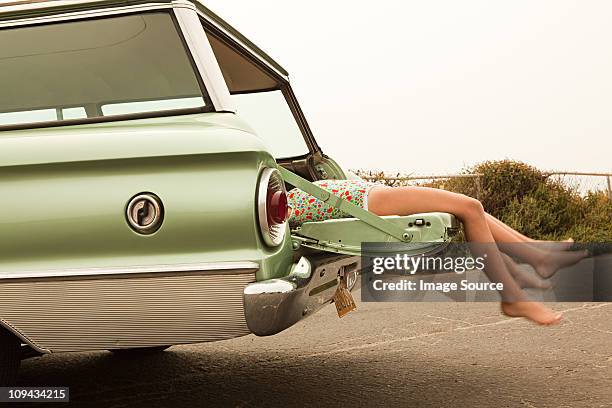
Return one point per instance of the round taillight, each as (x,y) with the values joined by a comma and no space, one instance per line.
(272,207)
(277,208)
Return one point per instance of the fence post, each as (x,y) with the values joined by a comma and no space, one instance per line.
(609,187)
(479,187)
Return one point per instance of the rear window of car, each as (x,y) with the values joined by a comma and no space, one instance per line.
(133,64)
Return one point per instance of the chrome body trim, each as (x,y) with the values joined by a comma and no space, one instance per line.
(273,235)
(154,209)
(213,267)
(77,15)
(25,5)
(273,305)
(203,55)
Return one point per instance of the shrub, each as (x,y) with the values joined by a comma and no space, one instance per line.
(596,221)
(548,212)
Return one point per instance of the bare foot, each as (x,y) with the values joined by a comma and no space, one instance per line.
(534,311)
(530,280)
(553,261)
(555,245)
(523,278)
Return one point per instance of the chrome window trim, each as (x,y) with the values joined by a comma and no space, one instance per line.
(27,5)
(237,267)
(203,55)
(242,44)
(77,15)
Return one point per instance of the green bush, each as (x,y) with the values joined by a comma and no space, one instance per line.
(548,212)
(596,221)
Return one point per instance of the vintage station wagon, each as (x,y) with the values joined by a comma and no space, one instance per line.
(145,151)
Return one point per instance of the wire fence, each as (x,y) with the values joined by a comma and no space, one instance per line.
(583,182)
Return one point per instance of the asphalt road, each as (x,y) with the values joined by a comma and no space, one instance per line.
(383,354)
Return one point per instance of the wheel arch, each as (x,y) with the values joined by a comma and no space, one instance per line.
(22,336)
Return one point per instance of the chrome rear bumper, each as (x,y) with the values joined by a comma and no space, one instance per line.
(273,305)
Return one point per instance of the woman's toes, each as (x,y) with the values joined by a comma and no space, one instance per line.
(556,319)
(534,311)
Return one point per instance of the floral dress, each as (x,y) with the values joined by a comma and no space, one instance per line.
(308,208)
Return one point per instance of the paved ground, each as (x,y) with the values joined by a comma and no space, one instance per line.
(393,354)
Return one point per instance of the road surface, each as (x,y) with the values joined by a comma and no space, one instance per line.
(383,354)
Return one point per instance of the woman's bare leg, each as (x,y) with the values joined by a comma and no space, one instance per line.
(545,245)
(545,262)
(410,200)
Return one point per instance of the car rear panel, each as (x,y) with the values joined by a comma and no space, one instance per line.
(65,191)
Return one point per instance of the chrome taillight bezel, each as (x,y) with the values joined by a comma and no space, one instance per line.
(273,235)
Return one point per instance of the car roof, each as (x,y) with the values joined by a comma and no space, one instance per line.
(13,9)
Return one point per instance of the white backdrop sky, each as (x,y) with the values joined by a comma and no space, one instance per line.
(431,86)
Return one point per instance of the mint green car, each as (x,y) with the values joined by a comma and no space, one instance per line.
(145,151)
